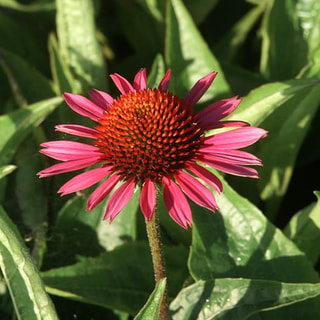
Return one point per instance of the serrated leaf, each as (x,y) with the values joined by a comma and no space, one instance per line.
(304,230)
(15,126)
(188,55)
(227,299)
(151,310)
(78,43)
(27,291)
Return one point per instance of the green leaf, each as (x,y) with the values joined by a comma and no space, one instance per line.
(120,279)
(188,55)
(62,76)
(12,4)
(238,298)
(229,46)
(263,101)
(299,33)
(304,230)
(199,9)
(15,126)
(151,310)
(157,72)
(27,291)
(78,43)
(287,129)
(4,170)
(28,84)
(245,244)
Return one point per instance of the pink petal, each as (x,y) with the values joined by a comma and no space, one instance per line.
(84,106)
(217,111)
(140,80)
(196,191)
(224,124)
(234,169)
(68,166)
(69,150)
(102,191)
(237,138)
(206,176)
(119,199)
(176,203)
(164,83)
(148,199)
(198,90)
(77,130)
(122,84)
(84,180)
(102,99)
(230,156)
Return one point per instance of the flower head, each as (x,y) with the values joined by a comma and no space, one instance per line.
(152,139)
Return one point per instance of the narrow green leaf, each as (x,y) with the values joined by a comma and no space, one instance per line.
(12,4)
(28,84)
(200,9)
(15,126)
(157,72)
(227,299)
(78,43)
(304,230)
(62,76)
(4,170)
(27,291)
(188,55)
(279,43)
(151,310)
(263,101)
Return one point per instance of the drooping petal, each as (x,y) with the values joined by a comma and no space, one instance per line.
(198,90)
(230,156)
(68,166)
(234,139)
(196,191)
(206,176)
(122,84)
(148,199)
(77,130)
(119,199)
(102,99)
(140,80)
(84,106)
(84,180)
(102,191)
(164,83)
(69,150)
(237,170)
(176,203)
(217,111)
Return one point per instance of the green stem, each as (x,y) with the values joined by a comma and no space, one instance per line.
(153,231)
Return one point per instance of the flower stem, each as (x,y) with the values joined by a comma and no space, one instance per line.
(153,231)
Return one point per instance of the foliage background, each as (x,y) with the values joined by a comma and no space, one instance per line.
(258,257)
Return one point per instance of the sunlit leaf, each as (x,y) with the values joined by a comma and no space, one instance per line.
(22,278)
(227,299)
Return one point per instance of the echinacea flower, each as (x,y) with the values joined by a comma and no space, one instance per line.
(152,139)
